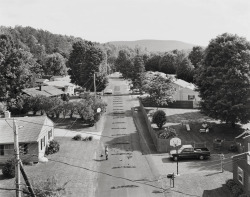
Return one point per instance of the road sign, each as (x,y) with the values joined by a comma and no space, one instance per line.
(98,110)
(175,142)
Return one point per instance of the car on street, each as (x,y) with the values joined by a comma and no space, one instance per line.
(135,91)
(189,152)
(108,91)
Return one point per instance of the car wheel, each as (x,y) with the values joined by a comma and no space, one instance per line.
(175,158)
(201,157)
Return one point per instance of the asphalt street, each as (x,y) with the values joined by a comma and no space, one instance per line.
(127,172)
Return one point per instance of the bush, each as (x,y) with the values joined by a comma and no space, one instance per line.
(159,118)
(230,183)
(78,137)
(90,138)
(9,169)
(167,133)
(237,190)
(47,188)
(53,147)
(244,195)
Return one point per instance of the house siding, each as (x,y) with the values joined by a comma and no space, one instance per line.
(242,162)
(31,156)
(43,138)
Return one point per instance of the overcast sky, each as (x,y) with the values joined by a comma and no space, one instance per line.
(191,21)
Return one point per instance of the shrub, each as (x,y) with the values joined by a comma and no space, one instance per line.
(244,195)
(53,147)
(90,138)
(87,138)
(167,133)
(159,118)
(78,137)
(237,190)
(47,188)
(230,183)
(9,169)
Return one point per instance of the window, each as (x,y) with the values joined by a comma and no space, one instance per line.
(248,155)
(50,134)
(240,175)
(41,144)
(25,148)
(44,141)
(1,149)
(191,97)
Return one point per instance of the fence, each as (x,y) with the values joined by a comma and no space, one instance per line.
(175,104)
(163,145)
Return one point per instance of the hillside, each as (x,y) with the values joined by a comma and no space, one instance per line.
(155,45)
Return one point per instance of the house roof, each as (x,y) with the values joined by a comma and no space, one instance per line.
(60,84)
(41,80)
(32,127)
(46,91)
(179,82)
(60,78)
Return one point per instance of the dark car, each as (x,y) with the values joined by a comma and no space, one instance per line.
(189,152)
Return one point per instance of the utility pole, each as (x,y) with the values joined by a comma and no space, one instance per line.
(17,163)
(221,163)
(94,85)
(30,188)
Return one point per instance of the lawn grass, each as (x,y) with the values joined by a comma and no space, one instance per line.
(75,164)
(176,118)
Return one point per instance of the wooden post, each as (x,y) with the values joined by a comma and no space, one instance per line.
(177,160)
(17,163)
(30,188)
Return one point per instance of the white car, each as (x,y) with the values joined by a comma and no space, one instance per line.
(108,91)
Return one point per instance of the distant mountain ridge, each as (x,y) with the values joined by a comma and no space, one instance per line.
(155,45)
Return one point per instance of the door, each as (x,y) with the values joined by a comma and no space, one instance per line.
(1,149)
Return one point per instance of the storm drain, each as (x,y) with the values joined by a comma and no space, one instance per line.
(124,186)
(123,167)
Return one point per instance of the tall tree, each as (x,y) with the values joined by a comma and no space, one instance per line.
(159,88)
(55,65)
(196,56)
(84,61)
(123,63)
(16,69)
(137,73)
(223,80)
(167,63)
(185,70)
(153,63)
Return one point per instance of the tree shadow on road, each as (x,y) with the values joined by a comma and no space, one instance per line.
(221,191)
(124,143)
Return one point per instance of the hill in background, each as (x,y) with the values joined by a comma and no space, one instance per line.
(155,45)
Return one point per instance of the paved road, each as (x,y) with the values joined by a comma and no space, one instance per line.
(127,172)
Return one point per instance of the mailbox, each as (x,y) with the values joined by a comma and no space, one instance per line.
(170,176)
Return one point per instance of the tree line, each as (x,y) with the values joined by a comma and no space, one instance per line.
(85,108)
(221,73)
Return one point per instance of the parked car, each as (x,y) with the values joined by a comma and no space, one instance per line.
(108,91)
(189,152)
(135,91)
